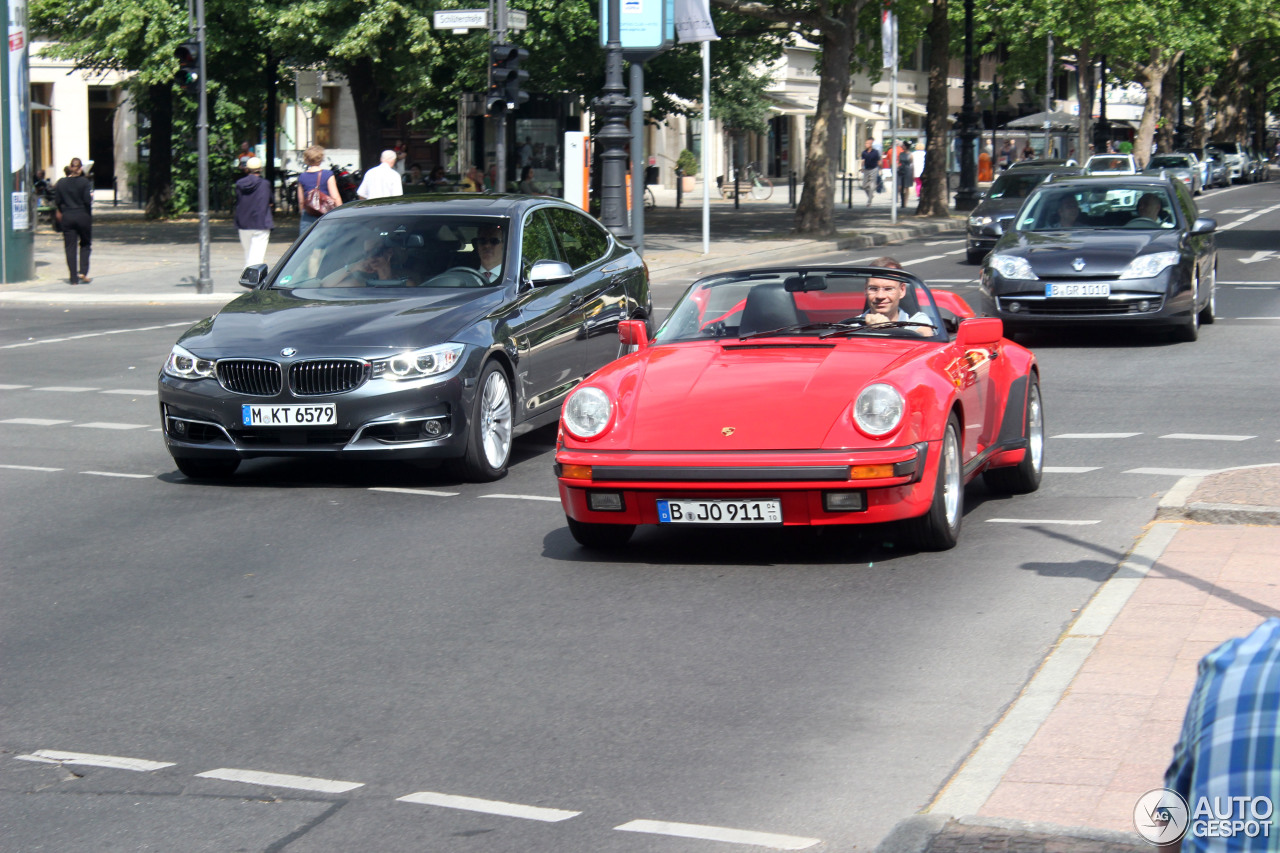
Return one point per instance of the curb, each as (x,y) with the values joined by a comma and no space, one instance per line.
(1177,504)
(917,834)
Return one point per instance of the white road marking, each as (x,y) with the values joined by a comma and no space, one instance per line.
(97,335)
(1074,522)
(13,387)
(1232,211)
(109,425)
(67,389)
(1173,472)
(1192,436)
(927,258)
(953,280)
(1069,469)
(524,497)
(280,780)
(1252,216)
(115,762)
(1249,284)
(1257,257)
(116,474)
(34,421)
(427,492)
(1255,318)
(1096,435)
(720,833)
(149,392)
(472,804)
(28,468)
(941,242)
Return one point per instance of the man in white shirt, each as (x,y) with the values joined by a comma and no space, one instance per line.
(382,180)
(488,243)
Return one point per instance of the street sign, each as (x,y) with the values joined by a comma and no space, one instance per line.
(517,19)
(461,20)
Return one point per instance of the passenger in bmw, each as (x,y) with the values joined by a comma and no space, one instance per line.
(374,265)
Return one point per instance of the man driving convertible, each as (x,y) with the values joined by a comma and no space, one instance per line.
(883,298)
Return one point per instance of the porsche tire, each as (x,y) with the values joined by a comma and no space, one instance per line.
(489,429)
(939,528)
(1024,477)
(206,469)
(600,537)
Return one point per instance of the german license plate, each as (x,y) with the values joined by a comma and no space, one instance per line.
(1077,290)
(719,512)
(289,416)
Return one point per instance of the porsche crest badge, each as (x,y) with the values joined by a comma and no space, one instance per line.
(728,431)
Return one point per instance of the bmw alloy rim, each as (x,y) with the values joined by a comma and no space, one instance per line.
(495,420)
(951,479)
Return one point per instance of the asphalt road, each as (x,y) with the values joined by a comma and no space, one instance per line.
(375,633)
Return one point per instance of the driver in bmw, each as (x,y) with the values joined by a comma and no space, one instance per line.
(488,244)
(883,297)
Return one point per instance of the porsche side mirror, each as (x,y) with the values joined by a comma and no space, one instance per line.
(633,333)
(253,276)
(980,332)
(543,273)
(1204,226)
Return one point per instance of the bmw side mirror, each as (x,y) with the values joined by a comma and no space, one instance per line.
(253,276)
(1204,226)
(543,273)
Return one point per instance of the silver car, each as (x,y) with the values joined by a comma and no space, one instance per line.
(1178,167)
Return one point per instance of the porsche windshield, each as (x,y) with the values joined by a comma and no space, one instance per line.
(390,251)
(803,303)
(1065,208)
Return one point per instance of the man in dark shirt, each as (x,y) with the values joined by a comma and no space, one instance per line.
(253,212)
(870,169)
(73,208)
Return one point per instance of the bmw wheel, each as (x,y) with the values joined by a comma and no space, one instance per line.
(489,432)
(939,528)
(1190,330)
(1209,313)
(206,469)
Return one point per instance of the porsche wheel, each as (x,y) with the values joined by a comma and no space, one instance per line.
(600,536)
(1209,313)
(206,469)
(489,431)
(939,528)
(1025,476)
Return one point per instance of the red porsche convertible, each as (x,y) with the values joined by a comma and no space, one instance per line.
(802,396)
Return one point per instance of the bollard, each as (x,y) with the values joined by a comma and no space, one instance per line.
(679,187)
(791,188)
(849,178)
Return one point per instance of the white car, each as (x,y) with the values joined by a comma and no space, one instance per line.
(1111,164)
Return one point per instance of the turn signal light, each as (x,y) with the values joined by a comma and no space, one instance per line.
(576,472)
(870,472)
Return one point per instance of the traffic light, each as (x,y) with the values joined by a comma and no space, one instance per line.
(506,79)
(188,54)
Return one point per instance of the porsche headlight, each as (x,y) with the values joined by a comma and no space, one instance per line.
(1148,266)
(879,409)
(418,364)
(979,221)
(1012,266)
(183,365)
(587,412)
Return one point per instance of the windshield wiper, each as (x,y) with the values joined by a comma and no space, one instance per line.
(896,324)
(798,327)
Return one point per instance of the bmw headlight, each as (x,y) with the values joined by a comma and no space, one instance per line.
(1148,266)
(418,364)
(1013,266)
(979,221)
(587,412)
(183,365)
(879,409)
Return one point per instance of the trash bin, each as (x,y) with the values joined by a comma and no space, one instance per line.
(651,175)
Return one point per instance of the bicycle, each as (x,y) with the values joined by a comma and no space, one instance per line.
(759,186)
(649,201)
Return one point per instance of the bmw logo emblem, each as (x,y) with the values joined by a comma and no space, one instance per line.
(288,352)
(1077,264)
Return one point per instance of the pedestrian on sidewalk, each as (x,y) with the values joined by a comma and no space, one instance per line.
(870,170)
(73,209)
(315,176)
(253,212)
(382,181)
(906,174)
(917,167)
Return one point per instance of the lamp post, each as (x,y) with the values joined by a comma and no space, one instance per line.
(967,196)
(614,135)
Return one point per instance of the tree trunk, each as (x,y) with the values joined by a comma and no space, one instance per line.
(1230,123)
(1085,67)
(1200,115)
(934,191)
(366,96)
(817,200)
(160,159)
(1168,113)
(1152,76)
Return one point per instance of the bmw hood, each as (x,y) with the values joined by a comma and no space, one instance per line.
(773,396)
(1103,252)
(333,322)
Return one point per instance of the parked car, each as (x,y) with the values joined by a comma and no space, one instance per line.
(768,398)
(1239,164)
(1261,168)
(1181,167)
(1045,164)
(1104,250)
(1214,171)
(380,335)
(1111,164)
(993,214)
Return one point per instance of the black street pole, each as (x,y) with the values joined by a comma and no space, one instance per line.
(616,107)
(967,196)
(1102,129)
(204,281)
(500,120)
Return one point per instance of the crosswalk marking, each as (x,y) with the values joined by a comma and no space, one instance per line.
(66,389)
(719,833)
(1097,435)
(1070,469)
(280,780)
(523,497)
(117,474)
(114,762)
(133,392)
(1173,472)
(472,804)
(400,491)
(1192,436)
(1067,521)
(28,468)
(109,425)
(34,421)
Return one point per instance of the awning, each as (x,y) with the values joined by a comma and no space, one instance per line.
(791,106)
(864,114)
(913,108)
